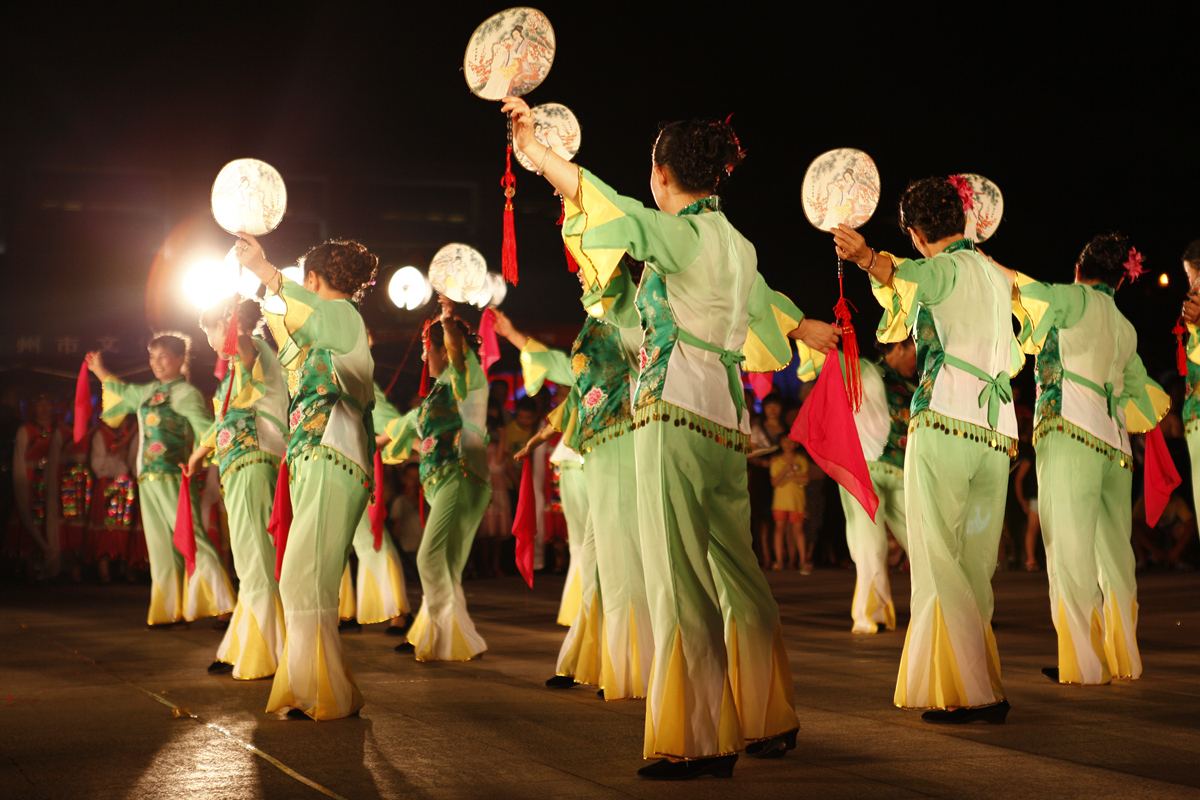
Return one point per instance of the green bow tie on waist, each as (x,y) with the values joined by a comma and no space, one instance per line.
(731,359)
(997,391)
(1105,391)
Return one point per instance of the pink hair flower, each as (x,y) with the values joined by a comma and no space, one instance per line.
(1133,265)
(965,193)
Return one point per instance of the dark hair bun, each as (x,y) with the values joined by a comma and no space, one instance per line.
(1192,253)
(700,153)
(1104,257)
(346,265)
(932,207)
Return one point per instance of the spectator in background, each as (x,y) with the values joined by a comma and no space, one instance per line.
(765,433)
(1025,489)
(518,430)
(789,475)
(114,497)
(32,544)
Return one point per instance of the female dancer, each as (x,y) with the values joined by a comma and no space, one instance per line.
(716,626)
(961,435)
(449,426)
(1093,392)
(248,439)
(594,419)
(171,416)
(323,341)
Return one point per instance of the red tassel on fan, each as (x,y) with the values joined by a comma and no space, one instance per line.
(572,265)
(83,404)
(841,313)
(1180,351)
(376,511)
(281,516)
(184,537)
(508,254)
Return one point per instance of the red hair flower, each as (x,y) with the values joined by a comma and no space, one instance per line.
(1133,265)
(741,153)
(965,193)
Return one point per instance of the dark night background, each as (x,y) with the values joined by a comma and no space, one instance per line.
(118,118)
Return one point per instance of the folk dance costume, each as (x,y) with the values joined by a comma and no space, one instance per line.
(1191,408)
(572,492)
(961,436)
(594,419)
(720,675)
(882,424)
(323,344)
(171,415)
(379,594)
(448,426)
(36,453)
(75,497)
(1093,392)
(114,494)
(249,442)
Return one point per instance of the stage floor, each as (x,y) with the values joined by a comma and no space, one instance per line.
(94,705)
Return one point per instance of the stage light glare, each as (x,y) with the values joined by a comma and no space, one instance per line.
(1164,279)
(273,303)
(408,289)
(208,281)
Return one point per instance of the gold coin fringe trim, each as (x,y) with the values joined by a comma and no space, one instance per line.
(605,435)
(150,477)
(663,412)
(885,468)
(442,473)
(249,459)
(1057,424)
(964,430)
(1191,426)
(320,452)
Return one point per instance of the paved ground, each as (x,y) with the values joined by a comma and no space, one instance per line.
(94,705)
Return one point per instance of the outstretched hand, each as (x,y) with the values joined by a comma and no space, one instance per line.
(522,122)
(820,336)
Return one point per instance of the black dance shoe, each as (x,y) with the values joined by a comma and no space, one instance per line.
(405,647)
(993,714)
(1051,673)
(349,626)
(400,630)
(600,693)
(775,747)
(560,682)
(219,668)
(668,770)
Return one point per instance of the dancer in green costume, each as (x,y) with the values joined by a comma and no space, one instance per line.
(962,434)
(595,419)
(1093,392)
(248,439)
(882,424)
(720,680)
(171,416)
(379,594)
(323,343)
(1191,403)
(448,430)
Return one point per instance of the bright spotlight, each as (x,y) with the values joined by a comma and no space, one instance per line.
(1164,279)
(274,304)
(409,289)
